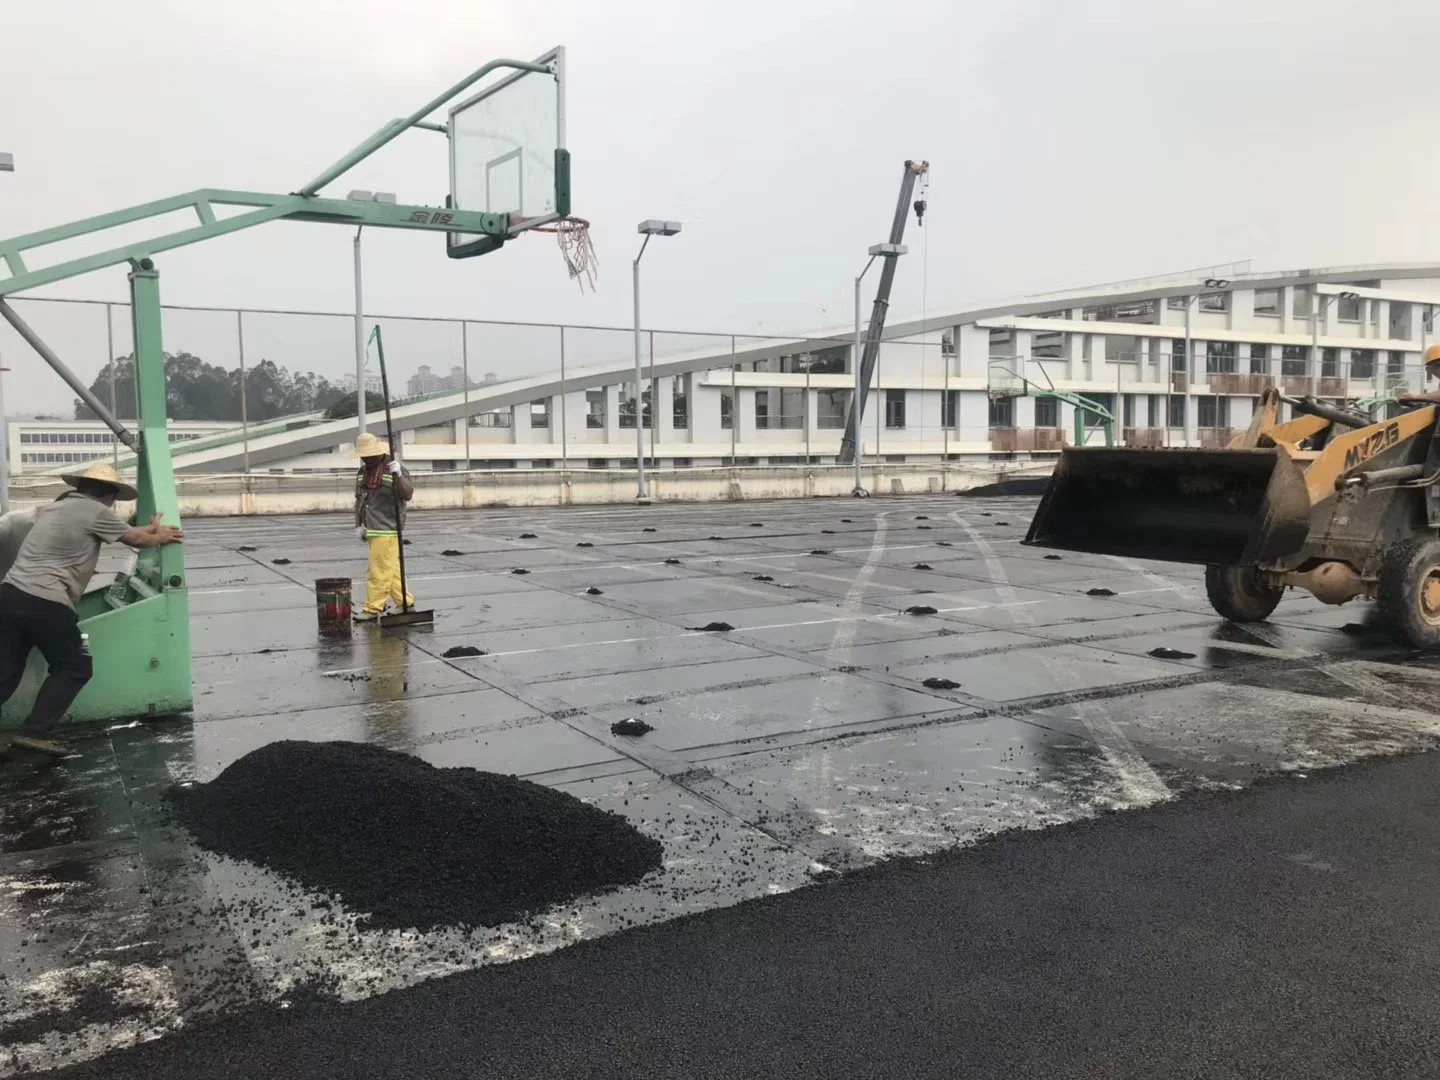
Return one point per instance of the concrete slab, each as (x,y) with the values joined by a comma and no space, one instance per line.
(802,737)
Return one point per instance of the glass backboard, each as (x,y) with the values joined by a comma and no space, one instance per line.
(507,147)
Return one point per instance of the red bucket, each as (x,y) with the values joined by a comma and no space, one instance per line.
(332,603)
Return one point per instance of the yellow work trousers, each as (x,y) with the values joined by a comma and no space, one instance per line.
(382,579)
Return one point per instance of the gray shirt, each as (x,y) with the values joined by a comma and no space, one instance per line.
(14,527)
(57,560)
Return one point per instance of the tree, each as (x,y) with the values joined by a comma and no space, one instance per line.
(195,390)
(344,408)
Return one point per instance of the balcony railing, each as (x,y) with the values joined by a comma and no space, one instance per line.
(1009,440)
(1216,438)
(1147,438)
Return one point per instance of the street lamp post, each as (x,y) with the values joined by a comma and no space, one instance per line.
(877,251)
(360,419)
(648,228)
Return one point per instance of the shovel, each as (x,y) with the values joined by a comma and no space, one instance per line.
(407,616)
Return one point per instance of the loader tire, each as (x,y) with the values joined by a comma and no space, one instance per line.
(1408,598)
(1240,594)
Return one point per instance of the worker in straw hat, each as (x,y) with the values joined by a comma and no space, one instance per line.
(382,488)
(38,595)
(1432,371)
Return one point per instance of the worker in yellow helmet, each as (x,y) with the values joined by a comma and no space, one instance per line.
(1432,371)
(382,490)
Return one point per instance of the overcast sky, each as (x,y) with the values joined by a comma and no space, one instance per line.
(1071,142)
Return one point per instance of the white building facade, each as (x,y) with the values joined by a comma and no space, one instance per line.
(1177,361)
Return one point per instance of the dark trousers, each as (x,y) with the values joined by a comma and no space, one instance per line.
(28,622)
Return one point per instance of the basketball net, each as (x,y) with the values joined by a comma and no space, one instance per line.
(573,236)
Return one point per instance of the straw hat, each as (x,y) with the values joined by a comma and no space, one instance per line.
(102,472)
(368,445)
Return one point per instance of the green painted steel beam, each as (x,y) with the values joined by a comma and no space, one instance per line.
(264,208)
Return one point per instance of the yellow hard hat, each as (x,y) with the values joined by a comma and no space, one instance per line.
(1432,354)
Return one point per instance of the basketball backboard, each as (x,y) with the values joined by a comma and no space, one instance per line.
(507,153)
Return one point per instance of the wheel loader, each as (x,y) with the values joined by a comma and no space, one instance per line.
(1329,501)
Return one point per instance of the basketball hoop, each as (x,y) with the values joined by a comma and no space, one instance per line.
(573,236)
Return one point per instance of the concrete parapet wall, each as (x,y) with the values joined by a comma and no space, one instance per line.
(267,494)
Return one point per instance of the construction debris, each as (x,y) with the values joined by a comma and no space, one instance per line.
(941,684)
(462,650)
(1054,558)
(630,726)
(1099,592)
(519,570)
(584,543)
(528,536)
(407,845)
(822,551)
(246,547)
(712,628)
(280,562)
(672,562)
(923,566)
(452,552)
(920,609)
(1162,653)
(593,591)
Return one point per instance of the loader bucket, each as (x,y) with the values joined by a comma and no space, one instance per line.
(1223,507)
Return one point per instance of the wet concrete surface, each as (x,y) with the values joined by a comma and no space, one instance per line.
(805,739)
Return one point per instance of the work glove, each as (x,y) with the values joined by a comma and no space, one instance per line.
(393,468)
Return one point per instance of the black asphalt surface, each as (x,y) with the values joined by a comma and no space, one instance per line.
(1289,930)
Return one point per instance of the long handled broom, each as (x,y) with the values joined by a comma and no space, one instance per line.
(406,616)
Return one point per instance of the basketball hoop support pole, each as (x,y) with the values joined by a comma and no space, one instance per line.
(141,636)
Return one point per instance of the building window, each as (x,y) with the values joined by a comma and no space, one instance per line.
(598,463)
(777,410)
(1267,302)
(595,411)
(1177,303)
(832,409)
(1047,412)
(1259,359)
(540,414)
(950,409)
(1127,411)
(894,409)
(1329,363)
(682,463)
(543,463)
(1374,312)
(1294,359)
(627,408)
(1395,363)
(1220,358)
(834,361)
(1177,354)
(1214,301)
(1002,412)
(498,419)
(1048,346)
(1212,411)
(727,409)
(680,402)
(1347,309)
(1399,321)
(1362,363)
(1152,410)
(1175,410)
(1302,302)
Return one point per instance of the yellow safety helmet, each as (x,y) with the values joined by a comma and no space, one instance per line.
(1432,355)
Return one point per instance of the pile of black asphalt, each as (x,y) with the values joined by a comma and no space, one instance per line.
(1291,930)
(406,845)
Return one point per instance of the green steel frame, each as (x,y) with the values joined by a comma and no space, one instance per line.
(138,628)
(1081,404)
